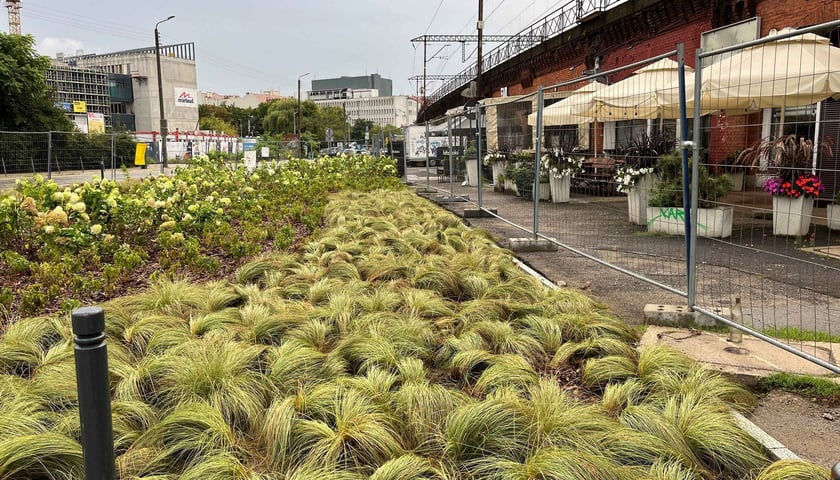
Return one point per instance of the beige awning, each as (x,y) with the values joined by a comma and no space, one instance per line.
(791,72)
(648,93)
(572,109)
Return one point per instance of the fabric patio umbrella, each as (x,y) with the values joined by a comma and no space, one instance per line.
(795,71)
(648,93)
(570,110)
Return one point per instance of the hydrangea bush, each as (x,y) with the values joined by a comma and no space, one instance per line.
(58,244)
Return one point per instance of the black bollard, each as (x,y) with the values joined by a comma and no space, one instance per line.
(102,168)
(835,472)
(94,393)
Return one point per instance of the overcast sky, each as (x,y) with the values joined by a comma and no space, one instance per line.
(253,45)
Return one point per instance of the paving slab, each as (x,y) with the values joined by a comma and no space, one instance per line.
(749,359)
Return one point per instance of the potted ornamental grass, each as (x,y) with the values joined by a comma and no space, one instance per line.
(637,175)
(666,212)
(559,166)
(792,183)
(733,168)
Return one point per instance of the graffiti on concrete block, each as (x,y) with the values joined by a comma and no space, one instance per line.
(672,213)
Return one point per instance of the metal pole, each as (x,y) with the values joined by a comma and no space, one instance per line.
(300,114)
(113,157)
(94,394)
(835,472)
(535,191)
(692,248)
(685,165)
(451,162)
(49,155)
(428,180)
(479,156)
(480,27)
(164,129)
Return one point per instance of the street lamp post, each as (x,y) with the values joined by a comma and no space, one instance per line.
(300,114)
(163,126)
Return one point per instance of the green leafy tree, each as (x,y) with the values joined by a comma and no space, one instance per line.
(217,124)
(26,101)
(359,127)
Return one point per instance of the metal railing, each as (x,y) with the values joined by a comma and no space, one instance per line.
(559,21)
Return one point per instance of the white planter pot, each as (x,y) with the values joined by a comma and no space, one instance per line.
(472,172)
(498,169)
(545,191)
(737,180)
(833,214)
(637,199)
(711,222)
(510,186)
(792,216)
(560,187)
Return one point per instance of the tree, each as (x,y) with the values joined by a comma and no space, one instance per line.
(360,126)
(216,124)
(26,101)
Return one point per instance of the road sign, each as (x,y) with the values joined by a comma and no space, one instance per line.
(329,135)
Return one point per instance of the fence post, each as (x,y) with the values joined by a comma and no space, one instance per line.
(94,393)
(113,155)
(428,160)
(695,169)
(49,155)
(535,190)
(479,156)
(451,162)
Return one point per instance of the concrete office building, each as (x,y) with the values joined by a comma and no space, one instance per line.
(180,94)
(367,97)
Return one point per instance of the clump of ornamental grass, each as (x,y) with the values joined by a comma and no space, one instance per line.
(794,470)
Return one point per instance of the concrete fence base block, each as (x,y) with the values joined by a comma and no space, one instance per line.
(457,198)
(531,245)
(480,212)
(680,316)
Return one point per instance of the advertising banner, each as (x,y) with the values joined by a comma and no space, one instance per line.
(186,97)
(79,106)
(96,123)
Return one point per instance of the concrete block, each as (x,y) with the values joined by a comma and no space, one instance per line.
(480,212)
(531,245)
(680,316)
(448,199)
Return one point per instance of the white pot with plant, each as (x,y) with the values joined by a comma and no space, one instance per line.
(560,168)
(637,175)
(833,213)
(497,161)
(792,183)
(666,212)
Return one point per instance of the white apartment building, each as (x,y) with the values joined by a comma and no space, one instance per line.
(398,111)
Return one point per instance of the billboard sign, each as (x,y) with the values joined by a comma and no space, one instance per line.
(79,106)
(96,122)
(185,97)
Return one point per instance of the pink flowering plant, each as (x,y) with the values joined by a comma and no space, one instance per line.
(807,185)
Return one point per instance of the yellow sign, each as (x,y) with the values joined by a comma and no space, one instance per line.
(79,106)
(96,123)
(140,154)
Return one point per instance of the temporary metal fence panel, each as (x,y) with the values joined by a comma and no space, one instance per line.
(774,133)
(598,140)
(66,157)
